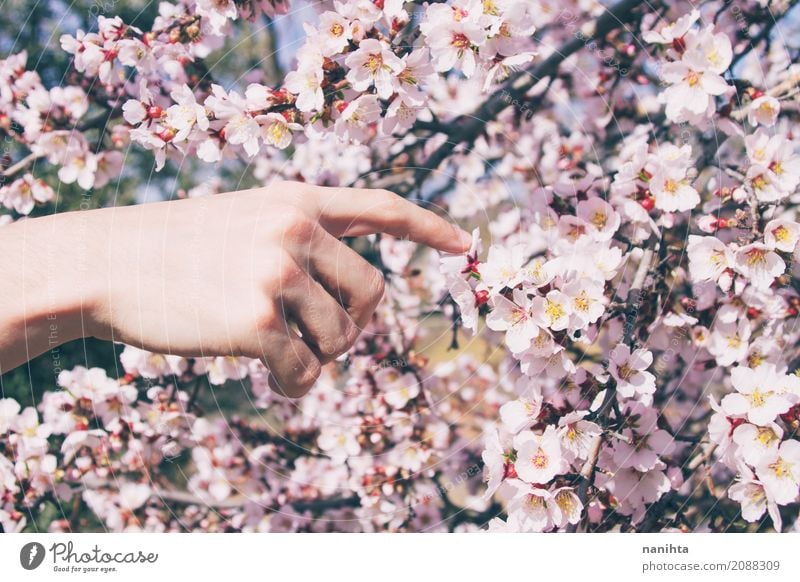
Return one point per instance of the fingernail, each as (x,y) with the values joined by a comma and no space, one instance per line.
(464,238)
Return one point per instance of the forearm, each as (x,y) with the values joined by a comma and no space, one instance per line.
(48,294)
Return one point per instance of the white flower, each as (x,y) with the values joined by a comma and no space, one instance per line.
(306,84)
(417,69)
(553,310)
(217,13)
(186,113)
(9,408)
(276,130)
(569,505)
(729,341)
(750,493)
(333,33)
(539,457)
(532,508)
(338,442)
(670,32)
(503,266)
(782,235)
(775,169)
(756,396)
(23,194)
(80,169)
(756,441)
(398,388)
(515,318)
(494,460)
(780,472)
(400,116)
(150,365)
(522,412)
(354,121)
(601,215)
(374,63)
(697,78)
(134,111)
(539,272)
(410,456)
(759,264)
(709,258)
(586,301)
(577,434)
(220,369)
(764,110)
(451,40)
(672,190)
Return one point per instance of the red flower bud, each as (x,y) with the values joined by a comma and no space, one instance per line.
(154,112)
(481,297)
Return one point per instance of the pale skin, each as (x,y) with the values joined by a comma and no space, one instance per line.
(236,274)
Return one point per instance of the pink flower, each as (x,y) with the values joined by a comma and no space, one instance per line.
(539,457)
(23,194)
(374,64)
(353,124)
(629,369)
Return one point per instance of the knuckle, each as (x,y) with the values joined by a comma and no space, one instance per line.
(289,273)
(375,286)
(296,225)
(394,206)
(309,375)
(350,335)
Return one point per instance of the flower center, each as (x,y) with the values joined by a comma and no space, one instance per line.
(756,257)
(759,398)
(781,469)
(766,436)
(374,63)
(539,460)
(554,311)
(599,219)
(781,234)
(581,302)
(460,41)
(625,371)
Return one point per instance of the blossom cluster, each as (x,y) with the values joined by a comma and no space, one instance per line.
(626,342)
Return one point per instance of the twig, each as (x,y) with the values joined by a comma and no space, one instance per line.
(20,165)
(631,310)
(636,292)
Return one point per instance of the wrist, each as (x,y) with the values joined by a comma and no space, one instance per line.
(50,291)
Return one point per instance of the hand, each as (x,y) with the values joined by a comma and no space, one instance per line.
(233,274)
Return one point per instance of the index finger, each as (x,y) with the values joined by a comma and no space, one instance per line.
(360,211)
